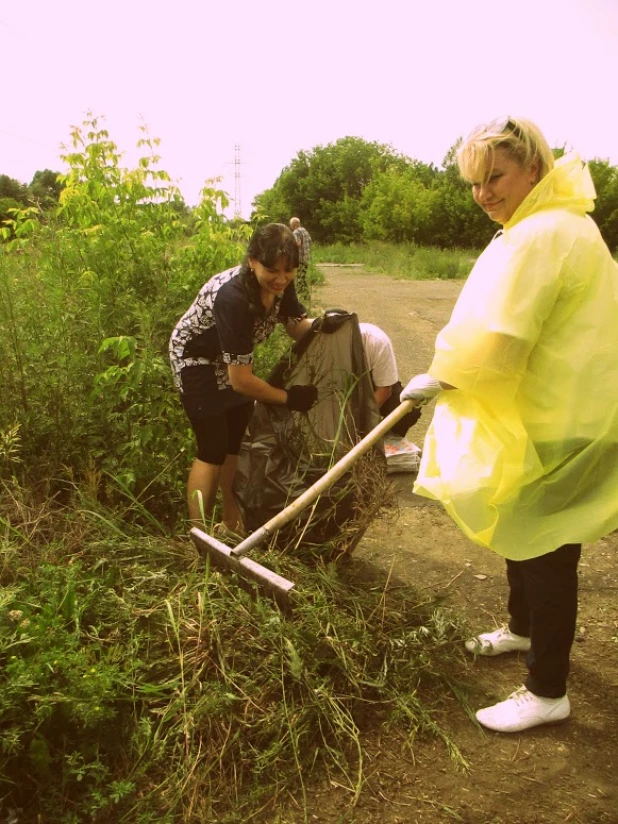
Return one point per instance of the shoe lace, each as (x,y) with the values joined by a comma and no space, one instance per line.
(521,695)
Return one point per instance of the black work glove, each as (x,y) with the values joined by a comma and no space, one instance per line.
(301,398)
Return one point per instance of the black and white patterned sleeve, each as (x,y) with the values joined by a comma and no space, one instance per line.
(291,309)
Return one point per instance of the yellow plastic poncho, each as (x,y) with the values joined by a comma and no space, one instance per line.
(524,453)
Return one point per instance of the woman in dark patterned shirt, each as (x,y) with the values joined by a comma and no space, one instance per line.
(211,352)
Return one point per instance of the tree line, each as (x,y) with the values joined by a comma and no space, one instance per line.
(43,190)
(353,190)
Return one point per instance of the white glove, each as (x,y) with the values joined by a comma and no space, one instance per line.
(421,389)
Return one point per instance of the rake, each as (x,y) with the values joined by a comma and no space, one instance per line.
(272,584)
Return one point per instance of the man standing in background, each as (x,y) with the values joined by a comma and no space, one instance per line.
(380,359)
(303,241)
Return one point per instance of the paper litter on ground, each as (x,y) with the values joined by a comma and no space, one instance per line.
(401,455)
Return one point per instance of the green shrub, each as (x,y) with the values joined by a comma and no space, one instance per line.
(136,685)
(87,303)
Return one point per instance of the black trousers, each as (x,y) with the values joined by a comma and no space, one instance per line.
(543,606)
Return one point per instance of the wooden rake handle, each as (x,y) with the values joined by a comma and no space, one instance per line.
(322,484)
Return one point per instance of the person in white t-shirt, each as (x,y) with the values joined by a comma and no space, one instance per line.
(380,357)
(382,365)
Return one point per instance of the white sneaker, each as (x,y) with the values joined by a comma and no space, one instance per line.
(496,642)
(522,710)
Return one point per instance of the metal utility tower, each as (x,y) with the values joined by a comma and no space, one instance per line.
(237,204)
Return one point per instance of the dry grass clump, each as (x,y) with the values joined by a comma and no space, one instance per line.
(337,522)
(140,686)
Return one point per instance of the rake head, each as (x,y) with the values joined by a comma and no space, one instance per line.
(251,574)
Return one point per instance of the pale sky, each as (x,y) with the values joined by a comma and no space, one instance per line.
(277,78)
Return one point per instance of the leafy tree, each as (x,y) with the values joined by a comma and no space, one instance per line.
(605,214)
(351,190)
(457,221)
(10,188)
(397,206)
(324,188)
(87,302)
(45,187)
(420,204)
(7,207)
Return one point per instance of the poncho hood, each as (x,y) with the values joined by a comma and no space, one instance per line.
(567,186)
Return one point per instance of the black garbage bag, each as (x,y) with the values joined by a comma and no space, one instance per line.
(284,452)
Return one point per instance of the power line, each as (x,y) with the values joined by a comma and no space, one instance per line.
(29,139)
(237,182)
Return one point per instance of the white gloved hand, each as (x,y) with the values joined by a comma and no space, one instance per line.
(421,389)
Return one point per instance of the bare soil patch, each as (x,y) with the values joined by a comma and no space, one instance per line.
(565,773)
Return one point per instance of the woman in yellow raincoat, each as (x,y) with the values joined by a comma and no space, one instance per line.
(523,448)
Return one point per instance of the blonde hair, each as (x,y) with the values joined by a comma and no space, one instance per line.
(520,139)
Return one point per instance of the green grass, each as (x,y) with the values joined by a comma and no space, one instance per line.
(400,260)
(138,686)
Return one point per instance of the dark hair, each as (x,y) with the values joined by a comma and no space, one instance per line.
(272,245)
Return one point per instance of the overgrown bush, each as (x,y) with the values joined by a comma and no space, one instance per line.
(87,303)
(137,686)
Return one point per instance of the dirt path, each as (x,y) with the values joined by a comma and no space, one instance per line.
(565,773)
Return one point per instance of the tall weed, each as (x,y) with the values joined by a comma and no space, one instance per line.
(138,685)
(88,299)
